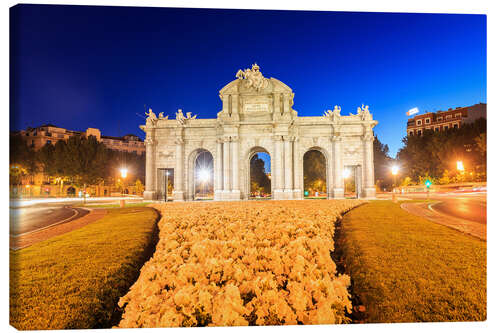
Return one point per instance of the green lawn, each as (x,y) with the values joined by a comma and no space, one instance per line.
(74,280)
(407,269)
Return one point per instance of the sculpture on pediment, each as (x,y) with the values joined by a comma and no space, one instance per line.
(151,119)
(253,78)
(333,115)
(160,116)
(179,116)
(364,113)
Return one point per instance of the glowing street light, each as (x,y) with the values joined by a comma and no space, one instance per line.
(123,172)
(395,170)
(460,166)
(204,175)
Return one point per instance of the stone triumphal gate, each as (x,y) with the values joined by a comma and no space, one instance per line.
(257,116)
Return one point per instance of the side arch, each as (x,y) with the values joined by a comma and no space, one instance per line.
(247,157)
(191,169)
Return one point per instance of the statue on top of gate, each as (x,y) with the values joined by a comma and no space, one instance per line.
(253,78)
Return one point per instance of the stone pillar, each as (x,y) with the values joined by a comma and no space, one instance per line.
(235,107)
(286,104)
(288,168)
(276,105)
(338,166)
(298,193)
(149,192)
(225,103)
(179,171)
(225,166)
(369,183)
(278,158)
(218,170)
(235,159)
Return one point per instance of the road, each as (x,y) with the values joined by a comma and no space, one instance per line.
(465,206)
(28,219)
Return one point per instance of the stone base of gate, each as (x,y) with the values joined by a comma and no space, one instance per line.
(227,195)
(338,193)
(148,195)
(297,194)
(283,195)
(369,192)
(179,196)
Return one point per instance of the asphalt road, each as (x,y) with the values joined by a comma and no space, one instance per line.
(467,208)
(32,218)
(470,207)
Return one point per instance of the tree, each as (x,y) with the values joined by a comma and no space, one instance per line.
(139,188)
(23,157)
(259,182)
(382,164)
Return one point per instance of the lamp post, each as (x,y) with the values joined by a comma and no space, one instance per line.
(123,172)
(166,184)
(394,171)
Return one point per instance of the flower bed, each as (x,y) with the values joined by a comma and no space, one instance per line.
(242,263)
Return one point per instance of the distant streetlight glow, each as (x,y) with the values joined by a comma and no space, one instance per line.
(346,173)
(204,175)
(460,166)
(395,169)
(123,172)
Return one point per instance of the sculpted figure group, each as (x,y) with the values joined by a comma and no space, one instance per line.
(363,113)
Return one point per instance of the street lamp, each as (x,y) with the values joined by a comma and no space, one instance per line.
(460,166)
(123,172)
(204,176)
(394,171)
(166,184)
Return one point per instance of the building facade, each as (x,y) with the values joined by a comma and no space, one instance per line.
(39,136)
(257,116)
(444,120)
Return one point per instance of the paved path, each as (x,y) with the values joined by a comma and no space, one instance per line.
(28,239)
(424,209)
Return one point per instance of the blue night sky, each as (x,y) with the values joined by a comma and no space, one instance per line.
(84,66)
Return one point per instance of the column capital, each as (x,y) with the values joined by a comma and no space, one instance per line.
(225,138)
(235,138)
(149,142)
(289,138)
(277,137)
(336,138)
(179,141)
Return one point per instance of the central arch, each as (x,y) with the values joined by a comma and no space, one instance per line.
(263,188)
(316,180)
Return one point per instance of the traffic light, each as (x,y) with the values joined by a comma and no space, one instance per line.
(428,183)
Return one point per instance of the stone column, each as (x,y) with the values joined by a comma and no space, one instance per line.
(298,193)
(218,167)
(278,158)
(288,168)
(235,159)
(149,192)
(225,165)
(369,184)
(338,166)
(286,103)
(225,103)
(276,105)
(179,170)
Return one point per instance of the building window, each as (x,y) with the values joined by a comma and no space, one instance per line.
(436,129)
(49,141)
(455,125)
(410,133)
(427,120)
(419,122)
(440,118)
(448,116)
(445,127)
(419,132)
(457,115)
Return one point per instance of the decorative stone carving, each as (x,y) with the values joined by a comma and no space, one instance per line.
(160,116)
(253,78)
(261,120)
(151,119)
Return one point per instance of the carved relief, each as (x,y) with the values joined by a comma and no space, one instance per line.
(253,78)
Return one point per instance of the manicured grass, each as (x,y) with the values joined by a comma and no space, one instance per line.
(407,269)
(74,280)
